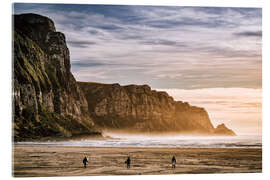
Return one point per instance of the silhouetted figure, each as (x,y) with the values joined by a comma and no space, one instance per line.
(173,162)
(85,161)
(128,162)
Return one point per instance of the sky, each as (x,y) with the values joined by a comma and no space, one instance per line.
(211,51)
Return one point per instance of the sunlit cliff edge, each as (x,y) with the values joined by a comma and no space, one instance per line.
(137,108)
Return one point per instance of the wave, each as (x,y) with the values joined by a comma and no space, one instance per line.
(170,141)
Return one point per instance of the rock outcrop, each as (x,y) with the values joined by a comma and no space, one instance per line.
(137,108)
(47,100)
(223,130)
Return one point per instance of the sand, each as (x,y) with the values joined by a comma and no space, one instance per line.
(40,161)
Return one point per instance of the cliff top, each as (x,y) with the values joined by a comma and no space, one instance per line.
(35,27)
(36,21)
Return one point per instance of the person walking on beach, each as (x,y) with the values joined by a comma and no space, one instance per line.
(128,162)
(173,162)
(85,161)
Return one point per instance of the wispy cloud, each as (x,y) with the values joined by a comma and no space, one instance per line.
(250,34)
(81,44)
(165,47)
(163,42)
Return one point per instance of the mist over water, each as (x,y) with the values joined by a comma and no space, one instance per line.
(125,140)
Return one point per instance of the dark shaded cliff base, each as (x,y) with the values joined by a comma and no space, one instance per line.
(36,161)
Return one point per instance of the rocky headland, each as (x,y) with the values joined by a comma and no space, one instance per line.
(137,108)
(48,102)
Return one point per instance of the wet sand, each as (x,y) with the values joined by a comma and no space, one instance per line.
(40,161)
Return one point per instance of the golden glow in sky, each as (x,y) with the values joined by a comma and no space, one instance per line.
(239,108)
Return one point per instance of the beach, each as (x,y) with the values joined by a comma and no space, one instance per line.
(45,161)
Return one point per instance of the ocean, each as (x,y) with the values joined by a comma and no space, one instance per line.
(119,140)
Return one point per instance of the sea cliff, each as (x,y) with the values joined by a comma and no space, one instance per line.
(138,108)
(47,100)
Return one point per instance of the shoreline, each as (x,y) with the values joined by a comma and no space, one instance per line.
(148,142)
(25,143)
(45,161)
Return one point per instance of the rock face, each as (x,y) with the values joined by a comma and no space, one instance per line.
(47,100)
(135,108)
(222,129)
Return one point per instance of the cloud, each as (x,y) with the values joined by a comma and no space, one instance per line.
(250,34)
(110,27)
(81,44)
(93,63)
(163,42)
(163,46)
(88,63)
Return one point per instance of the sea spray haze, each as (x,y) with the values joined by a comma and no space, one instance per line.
(159,141)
